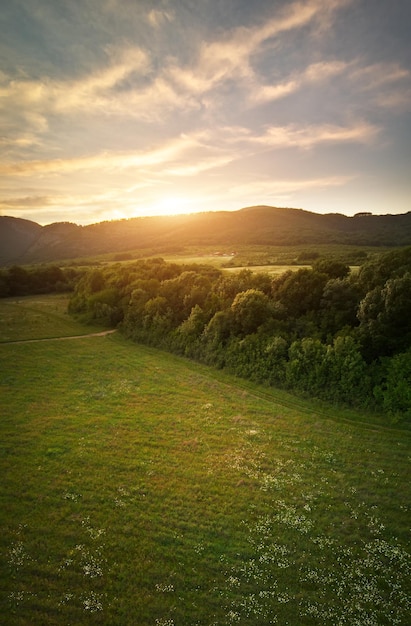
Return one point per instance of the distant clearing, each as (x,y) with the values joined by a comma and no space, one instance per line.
(274,270)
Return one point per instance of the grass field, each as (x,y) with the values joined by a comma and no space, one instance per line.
(249,256)
(38,317)
(140,489)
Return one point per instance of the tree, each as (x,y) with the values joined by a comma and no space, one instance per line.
(95,281)
(339,305)
(275,357)
(383,267)
(306,368)
(250,309)
(155,313)
(19,281)
(194,325)
(333,269)
(346,372)
(300,292)
(385,320)
(394,393)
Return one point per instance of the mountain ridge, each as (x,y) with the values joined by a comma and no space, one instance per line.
(23,241)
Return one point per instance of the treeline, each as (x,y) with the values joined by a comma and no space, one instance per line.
(21,281)
(325,332)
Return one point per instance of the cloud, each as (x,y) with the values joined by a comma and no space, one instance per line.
(378,74)
(313,135)
(157,17)
(96,88)
(33,100)
(202,165)
(230,58)
(129,86)
(26,202)
(172,152)
(275,187)
(399,100)
(314,73)
(190,154)
(240,141)
(388,85)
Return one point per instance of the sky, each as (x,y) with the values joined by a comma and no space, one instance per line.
(113,109)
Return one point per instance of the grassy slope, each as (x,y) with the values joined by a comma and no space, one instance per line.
(38,317)
(141,489)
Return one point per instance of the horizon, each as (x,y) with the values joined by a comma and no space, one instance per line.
(176,215)
(112,110)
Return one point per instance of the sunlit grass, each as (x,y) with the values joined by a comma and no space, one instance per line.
(250,256)
(272,270)
(139,488)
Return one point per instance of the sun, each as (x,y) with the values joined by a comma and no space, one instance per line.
(172,205)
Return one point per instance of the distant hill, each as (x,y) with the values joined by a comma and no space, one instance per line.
(16,238)
(23,242)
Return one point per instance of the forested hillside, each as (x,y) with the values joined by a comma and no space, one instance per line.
(325,332)
(23,242)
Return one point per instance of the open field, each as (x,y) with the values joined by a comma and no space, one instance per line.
(271,256)
(272,270)
(141,489)
(38,317)
(221,262)
(243,255)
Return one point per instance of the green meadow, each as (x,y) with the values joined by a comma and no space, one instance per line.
(38,317)
(141,489)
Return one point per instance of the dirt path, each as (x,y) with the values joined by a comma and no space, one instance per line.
(100,334)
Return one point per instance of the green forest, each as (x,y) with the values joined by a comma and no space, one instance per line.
(324,332)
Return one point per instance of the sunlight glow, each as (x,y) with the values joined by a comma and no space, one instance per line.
(172,205)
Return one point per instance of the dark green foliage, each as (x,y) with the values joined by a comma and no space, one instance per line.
(339,305)
(385,318)
(333,269)
(395,391)
(314,331)
(378,270)
(300,292)
(40,279)
(347,378)
(249,310)
(18,281)
(306,367)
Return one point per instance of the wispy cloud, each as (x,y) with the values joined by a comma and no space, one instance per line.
(311,135)
(157,17)
(377,74)
(127,86)
(46,96)
(172,152)
(314,73)
(187,155)
(388,85)
(231,57)
(277,187)
(399,99)
(26,202)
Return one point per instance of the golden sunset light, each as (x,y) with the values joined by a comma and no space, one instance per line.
(205,297)
(121,109)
